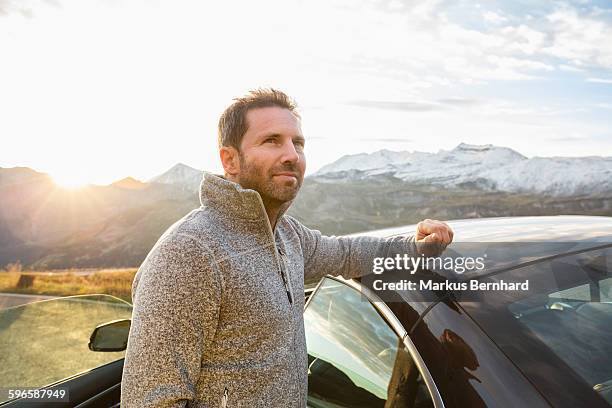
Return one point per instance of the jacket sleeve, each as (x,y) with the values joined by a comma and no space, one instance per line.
(349,257)
(176,294)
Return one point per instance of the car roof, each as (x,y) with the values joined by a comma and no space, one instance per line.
(557,228)
(511,242)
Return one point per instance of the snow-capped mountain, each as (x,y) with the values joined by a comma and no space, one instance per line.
(180,174)
(486,166)
(380,160)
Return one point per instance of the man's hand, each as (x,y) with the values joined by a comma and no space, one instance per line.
(432,237)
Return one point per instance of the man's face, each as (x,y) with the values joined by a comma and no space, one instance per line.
(272,160)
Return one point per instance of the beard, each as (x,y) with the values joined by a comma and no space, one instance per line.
(271,191)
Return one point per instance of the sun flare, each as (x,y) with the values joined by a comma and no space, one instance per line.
(70,181)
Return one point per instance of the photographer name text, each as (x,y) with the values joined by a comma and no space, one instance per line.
(472,284)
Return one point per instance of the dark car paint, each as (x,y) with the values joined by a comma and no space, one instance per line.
(557,382)
(469,369)
(100,387)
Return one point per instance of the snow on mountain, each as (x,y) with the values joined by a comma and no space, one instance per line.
(179,174)
(556,176)
(487,166)
(380,160)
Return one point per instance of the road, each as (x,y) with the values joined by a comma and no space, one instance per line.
(16,299)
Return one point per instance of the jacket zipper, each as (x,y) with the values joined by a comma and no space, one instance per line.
(224,399)
(285,277)
(277,251)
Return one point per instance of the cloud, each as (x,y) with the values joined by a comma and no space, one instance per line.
(486,107)
(568,139)
(580,38)
(432,43)
(402,106)
(387,139)
(524,39)
(600,80)
(570,68)
(493,17)
(8,7)
(418,106)
(459,101)
(24,8)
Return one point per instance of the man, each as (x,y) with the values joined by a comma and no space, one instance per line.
(218,301)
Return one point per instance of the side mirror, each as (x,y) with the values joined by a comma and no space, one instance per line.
(111,336)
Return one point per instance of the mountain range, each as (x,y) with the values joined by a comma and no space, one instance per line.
(47,227)
(488,167)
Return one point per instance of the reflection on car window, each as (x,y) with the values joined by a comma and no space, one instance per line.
(44,342)
(576,323)
(355,358)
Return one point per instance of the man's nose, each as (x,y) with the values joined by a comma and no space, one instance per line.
(289,154)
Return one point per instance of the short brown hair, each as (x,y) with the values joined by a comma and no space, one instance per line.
(233,123)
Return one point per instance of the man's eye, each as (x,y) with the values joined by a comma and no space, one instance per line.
(270,140)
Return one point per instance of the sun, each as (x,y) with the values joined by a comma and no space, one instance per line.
(70,181)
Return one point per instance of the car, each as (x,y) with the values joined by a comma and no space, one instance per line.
(548,346)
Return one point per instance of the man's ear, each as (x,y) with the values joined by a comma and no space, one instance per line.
(230,159)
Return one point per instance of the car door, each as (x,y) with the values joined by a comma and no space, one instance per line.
(359,354)
(45,345)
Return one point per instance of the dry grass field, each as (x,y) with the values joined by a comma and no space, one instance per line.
(115,282)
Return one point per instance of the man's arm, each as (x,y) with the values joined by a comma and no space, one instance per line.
(349,257)
(176,294)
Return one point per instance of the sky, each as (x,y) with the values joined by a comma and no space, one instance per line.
(92,91)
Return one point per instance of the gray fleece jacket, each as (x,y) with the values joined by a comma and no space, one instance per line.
(218,303)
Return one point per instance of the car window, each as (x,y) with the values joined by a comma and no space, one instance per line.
(580,292)
(605,290)
(355,358)
(575,323)
(44,342)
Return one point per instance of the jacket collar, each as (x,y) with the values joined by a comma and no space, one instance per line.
(231,198)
